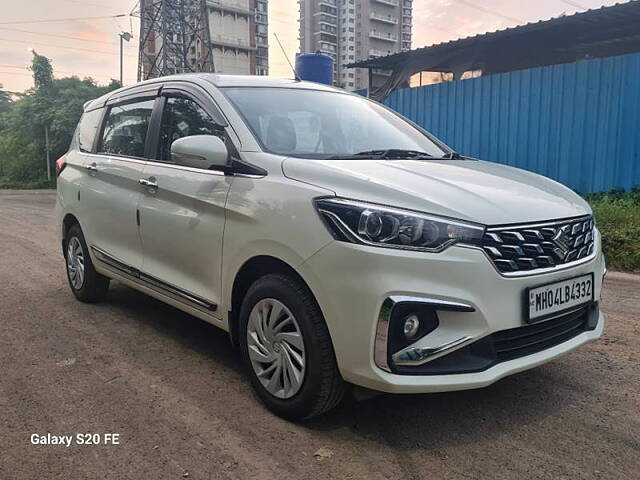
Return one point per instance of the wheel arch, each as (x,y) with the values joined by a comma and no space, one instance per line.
(68,221)
(250,271)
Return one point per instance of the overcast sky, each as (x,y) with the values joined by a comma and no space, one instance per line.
(93,50)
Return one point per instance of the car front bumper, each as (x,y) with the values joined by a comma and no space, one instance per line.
(352,282)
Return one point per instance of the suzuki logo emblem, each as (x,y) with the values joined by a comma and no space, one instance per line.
(563,243)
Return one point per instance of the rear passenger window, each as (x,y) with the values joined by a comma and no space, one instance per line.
(88,128)
(125,130)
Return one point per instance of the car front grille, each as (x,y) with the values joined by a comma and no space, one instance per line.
(527,248)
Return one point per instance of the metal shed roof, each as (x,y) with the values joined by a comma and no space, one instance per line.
(601,32)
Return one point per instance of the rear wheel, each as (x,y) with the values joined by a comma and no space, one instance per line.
(86,284)
(287,349)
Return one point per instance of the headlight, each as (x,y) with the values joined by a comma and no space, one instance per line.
(371,224)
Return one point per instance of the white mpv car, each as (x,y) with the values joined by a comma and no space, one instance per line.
(337,242)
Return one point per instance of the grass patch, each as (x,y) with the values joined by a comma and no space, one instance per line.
(6,184)
(618,219)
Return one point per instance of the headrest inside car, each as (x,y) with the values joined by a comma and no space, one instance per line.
(281,134)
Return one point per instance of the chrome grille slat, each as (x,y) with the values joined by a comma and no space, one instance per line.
(527,248)
(533,235)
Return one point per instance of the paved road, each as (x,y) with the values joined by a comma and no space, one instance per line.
(172,387)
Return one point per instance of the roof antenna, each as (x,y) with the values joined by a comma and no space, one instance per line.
(295,74)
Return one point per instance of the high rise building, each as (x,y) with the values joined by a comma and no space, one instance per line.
(223,36)
(351,30)
(239,33)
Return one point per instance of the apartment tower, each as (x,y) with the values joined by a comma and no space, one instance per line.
(351,30)
(239,36)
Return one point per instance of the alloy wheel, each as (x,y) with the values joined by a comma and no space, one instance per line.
(75,263)
(276,348)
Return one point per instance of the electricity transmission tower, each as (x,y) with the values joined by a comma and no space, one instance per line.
(174,38)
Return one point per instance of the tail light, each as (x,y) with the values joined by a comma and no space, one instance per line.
(60,164)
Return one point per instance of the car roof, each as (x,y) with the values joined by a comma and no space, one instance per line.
(262,81)
(220,81)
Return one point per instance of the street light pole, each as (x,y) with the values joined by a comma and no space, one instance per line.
(121,84)
(124,36)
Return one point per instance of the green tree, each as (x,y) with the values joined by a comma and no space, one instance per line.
(42,71)
(5,100)
(53,103)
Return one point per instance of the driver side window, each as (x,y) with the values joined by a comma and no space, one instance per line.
(183,117)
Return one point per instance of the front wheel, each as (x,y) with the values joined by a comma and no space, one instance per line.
(287,349)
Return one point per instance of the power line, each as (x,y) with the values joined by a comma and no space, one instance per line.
(64,19)
(445,30)
(15,73)
(286,22)
(58,36)
(82,2)
(490,11)
(5,65)
(63,46)
(574,4)
(120,28)
(17,67)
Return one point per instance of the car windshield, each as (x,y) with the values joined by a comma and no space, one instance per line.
(319,124)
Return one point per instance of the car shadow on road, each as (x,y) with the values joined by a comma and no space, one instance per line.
(190,332)
(437,420)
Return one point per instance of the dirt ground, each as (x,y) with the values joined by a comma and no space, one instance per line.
(174,390)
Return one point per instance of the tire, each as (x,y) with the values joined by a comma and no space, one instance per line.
(86,284)
(321,387)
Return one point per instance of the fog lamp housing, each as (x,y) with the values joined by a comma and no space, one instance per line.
(409,322)
(404,320)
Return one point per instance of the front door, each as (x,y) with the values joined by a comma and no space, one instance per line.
(182,211)
(112,191)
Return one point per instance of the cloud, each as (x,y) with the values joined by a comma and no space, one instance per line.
(94,31)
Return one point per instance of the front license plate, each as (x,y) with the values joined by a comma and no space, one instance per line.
(555,297)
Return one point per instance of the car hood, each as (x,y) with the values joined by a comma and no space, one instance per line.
(483,192)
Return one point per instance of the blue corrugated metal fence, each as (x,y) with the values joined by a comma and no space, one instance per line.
(577,123)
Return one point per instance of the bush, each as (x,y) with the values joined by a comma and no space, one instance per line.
(618,219)
(33,185)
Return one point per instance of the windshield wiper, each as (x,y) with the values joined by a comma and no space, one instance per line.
(399,153)
(383,154)
(453,156)
(356,156)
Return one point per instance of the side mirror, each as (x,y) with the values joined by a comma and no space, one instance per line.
(200,151)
